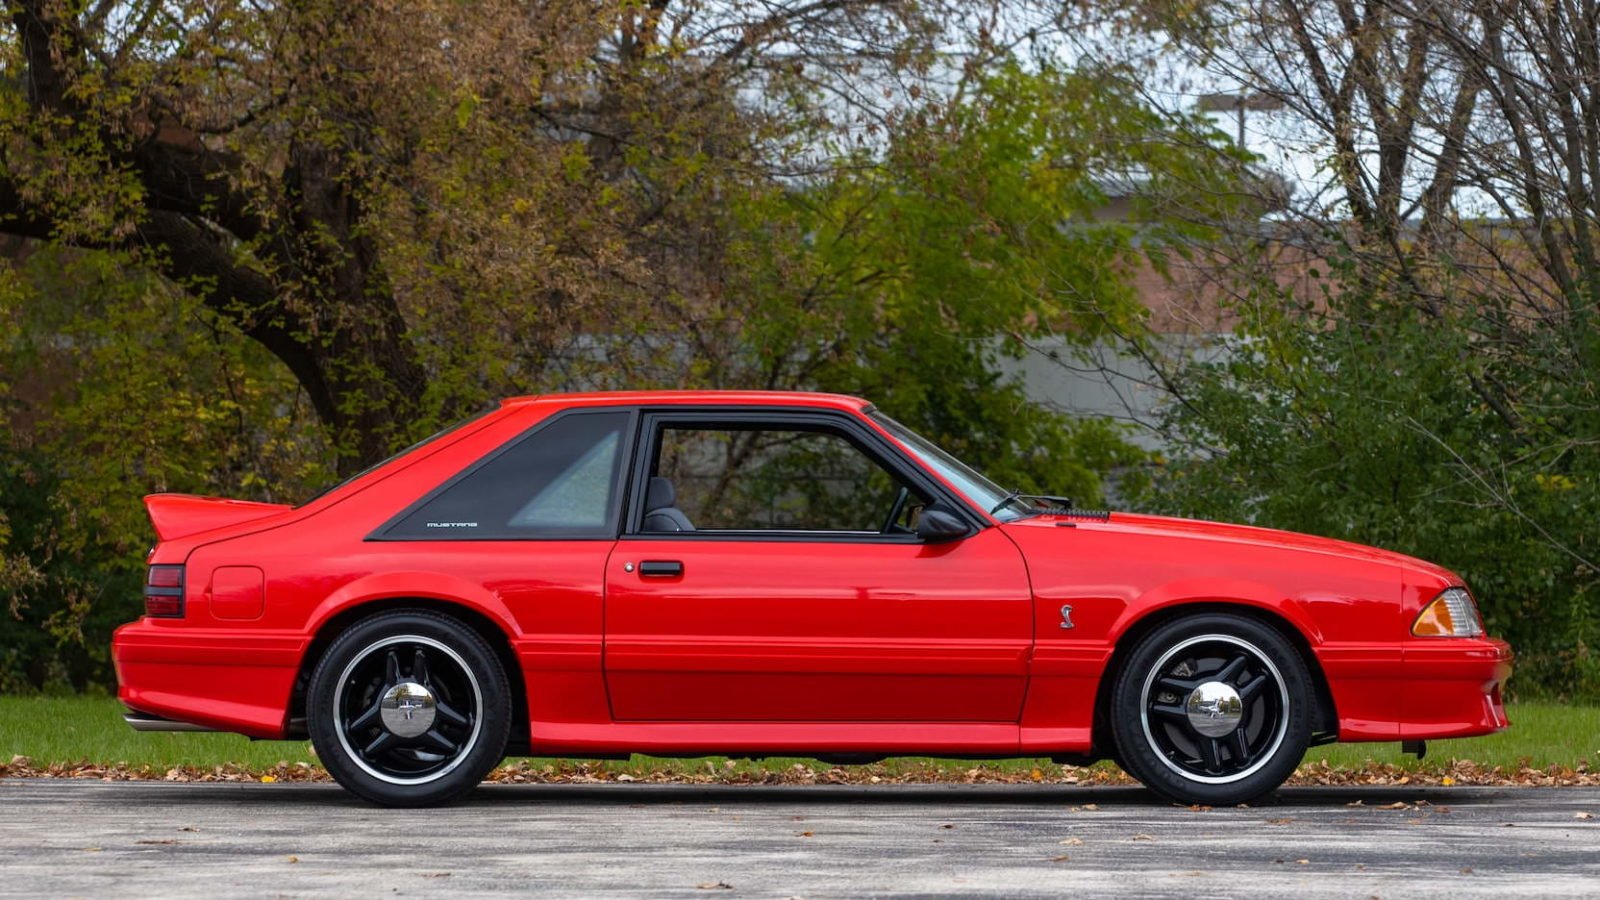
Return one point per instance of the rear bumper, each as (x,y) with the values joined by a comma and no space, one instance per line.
(1454,687)
(219,679)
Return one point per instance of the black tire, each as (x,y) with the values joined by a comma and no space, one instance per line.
(409,708)
(1173,747)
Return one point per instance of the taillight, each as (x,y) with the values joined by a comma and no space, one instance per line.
(163,592)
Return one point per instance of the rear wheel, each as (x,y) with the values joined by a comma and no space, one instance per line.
(409,708)
(1212,708)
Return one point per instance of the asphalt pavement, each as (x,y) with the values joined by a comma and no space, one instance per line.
(94,839)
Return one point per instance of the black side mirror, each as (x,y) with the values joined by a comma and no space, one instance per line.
(940,523)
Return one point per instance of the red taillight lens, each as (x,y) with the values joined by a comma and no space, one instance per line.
(163,592)
(165,576)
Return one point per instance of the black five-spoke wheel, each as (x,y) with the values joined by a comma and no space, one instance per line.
(409,708)
(411,724)
(1213,708)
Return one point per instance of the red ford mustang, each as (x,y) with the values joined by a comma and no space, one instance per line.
(765,574)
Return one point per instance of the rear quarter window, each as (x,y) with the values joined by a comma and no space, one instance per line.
(559,481)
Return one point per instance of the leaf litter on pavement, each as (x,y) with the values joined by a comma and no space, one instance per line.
(1452,773)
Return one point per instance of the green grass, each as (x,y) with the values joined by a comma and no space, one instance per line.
(90,729)
(1541,735)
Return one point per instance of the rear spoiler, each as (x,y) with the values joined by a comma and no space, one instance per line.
(180,515)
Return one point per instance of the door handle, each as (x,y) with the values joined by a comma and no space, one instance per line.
(660,568)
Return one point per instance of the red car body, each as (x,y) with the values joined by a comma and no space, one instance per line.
(783,646)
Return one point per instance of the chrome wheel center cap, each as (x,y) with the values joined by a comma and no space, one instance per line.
(408,709)
(1214,709)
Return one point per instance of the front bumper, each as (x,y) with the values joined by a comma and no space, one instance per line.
(223,679)
(1454,687)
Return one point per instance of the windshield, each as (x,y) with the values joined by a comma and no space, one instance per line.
(378,465)
(964,478)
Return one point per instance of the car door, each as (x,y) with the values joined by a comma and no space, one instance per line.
(769,571)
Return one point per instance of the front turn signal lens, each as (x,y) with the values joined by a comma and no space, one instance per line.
(1451,614)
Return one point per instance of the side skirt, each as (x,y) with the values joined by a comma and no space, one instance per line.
(777,738)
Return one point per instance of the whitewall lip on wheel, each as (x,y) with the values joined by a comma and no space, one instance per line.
(1231,720)
(409,713)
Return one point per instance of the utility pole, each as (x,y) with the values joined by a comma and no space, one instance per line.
(1238,102)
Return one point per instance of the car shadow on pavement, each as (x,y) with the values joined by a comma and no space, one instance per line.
(611,794)
(1001,795)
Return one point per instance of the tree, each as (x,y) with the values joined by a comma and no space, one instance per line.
(326,176)
(1428,381)
(242,219)
(980,230)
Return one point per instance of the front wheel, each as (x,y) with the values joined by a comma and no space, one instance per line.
(1212,709)
(409,708)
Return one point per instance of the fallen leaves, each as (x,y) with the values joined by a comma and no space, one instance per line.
(1457,772)
(23,767)
(1448,774)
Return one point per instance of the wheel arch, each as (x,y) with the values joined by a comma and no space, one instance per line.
(1134,628)
(492,628)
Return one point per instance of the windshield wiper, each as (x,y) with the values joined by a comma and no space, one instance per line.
(1006,501)
(1052,503)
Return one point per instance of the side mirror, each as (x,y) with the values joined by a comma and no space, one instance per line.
(939,523)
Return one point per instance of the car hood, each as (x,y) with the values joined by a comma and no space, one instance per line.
(1247,535)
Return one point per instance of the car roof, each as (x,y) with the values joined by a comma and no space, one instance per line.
(697,398)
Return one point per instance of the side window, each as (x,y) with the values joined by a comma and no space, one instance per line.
(767,479)
(560,481)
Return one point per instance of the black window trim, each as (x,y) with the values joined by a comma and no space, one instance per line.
(846,425)
(627,443)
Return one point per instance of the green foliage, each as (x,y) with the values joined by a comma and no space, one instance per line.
(124,387)
(905,277)
(1365,418)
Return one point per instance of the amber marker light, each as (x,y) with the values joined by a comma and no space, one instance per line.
(1451,614)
